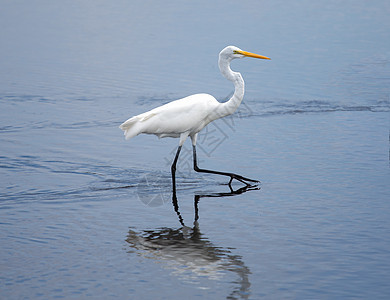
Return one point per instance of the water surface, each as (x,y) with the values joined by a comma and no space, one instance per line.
(86,214)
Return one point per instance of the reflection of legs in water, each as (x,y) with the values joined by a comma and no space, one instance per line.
(196,201)
(176,206)
(197,197)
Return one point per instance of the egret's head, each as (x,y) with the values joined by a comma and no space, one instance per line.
(232,52)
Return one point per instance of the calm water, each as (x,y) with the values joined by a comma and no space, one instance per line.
(86,214)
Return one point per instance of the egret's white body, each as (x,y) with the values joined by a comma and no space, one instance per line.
(188,116)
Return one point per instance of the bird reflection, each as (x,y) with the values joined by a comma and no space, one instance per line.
(189,254)
(198,196)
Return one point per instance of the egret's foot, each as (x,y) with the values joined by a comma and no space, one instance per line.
(242,179)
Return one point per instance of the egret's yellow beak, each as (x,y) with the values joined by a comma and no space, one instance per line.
(249,54)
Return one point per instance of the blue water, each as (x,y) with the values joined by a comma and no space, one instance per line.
(86,214)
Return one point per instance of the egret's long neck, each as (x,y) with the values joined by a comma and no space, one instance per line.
(234,102)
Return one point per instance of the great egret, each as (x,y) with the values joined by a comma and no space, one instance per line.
(187,116)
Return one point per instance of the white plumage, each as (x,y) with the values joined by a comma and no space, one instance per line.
(187,116)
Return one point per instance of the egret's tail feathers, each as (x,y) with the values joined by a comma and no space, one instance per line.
(136,124)
(128,124)
(129,128)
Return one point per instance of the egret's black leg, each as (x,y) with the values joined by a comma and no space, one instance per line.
(231,175)
(174,197)
(173,169)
